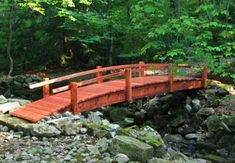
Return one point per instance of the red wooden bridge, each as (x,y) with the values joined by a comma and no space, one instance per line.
(106,86)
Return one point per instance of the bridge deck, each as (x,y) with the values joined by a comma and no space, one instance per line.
(103,94)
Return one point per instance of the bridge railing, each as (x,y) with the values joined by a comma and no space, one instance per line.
(105,73)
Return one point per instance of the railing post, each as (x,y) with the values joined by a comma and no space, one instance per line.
(99,74)
(46,88)
(74,97)
(141,72)
(204,76)
(170,77)
(128,76)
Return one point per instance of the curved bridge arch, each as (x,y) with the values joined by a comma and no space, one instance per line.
(107,86)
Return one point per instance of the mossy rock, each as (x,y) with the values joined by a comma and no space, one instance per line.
(133,148)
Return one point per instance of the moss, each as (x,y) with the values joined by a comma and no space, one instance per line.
(216,158)
(16,123)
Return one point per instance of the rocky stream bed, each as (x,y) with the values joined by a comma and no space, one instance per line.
(192,126)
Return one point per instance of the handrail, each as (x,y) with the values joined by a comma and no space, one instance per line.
(93,71)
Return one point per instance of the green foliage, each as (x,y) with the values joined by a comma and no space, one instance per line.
(84,33)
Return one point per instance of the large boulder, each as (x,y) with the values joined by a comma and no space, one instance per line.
(45,130)
(118,114)
(214,124)
(205,112)
(133,148)
(145,134)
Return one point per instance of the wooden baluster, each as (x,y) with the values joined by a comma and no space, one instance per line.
(128,76)
(46,88)
(204,77)
(99,74)
(141,68)
(170,77)
(74,97)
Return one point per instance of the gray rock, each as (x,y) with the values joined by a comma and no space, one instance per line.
(205,112)
(2,99)
(188,107)
(93,149)
(196,104)
(121,158)
(118,114)
(152,103)
(214,124)
(177,138)
(133,148)
(83,130)
(95,118)
(45,130)
(20,101)
(102,144)
(179,120)
(191,136)
(6,107)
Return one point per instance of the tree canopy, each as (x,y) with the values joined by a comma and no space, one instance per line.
(42,34)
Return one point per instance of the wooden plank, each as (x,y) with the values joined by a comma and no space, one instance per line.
(36,110)
(28,115)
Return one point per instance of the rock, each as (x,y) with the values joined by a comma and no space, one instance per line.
(133,148)
(206,145)
(216,158)
(214,124)
(188,108)
(121,158)
(2,99)
(83,130)
(225,141)
(95,118)
(196,104)
(102,144)
(152,103)
(66,126)
(145,134)
(98,131)
(191,136)
(139,117)
(205,112)
(179,120)
(20,101)
(222,152)
(45,130)
(6,107)
(93,149)
(221,92)
(126,122)
(177,138)
(165,99)
(118,114)
(230,121)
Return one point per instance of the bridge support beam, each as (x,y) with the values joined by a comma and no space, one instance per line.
(46,88)
(128,76)
(99,74)
(204,77)
(74,97)
(170,78)
(141,72)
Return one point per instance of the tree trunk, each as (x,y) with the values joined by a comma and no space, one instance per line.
(9,43)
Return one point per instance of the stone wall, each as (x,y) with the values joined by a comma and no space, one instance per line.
(19,86)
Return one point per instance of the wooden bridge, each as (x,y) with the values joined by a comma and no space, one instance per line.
(106,86)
